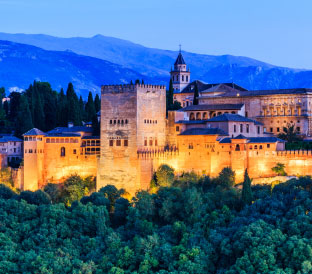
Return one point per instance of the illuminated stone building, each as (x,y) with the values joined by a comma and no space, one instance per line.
(57,154)
(274,108)
(230,127)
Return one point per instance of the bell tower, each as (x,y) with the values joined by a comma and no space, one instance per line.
(180,75)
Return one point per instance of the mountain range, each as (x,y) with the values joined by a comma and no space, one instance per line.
(91,62)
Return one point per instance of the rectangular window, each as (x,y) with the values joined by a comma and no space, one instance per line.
(156,143)
(278,129)
(264,129)
(118,143)
(258,129)
(241,127)
(247,128)
(125,143)
(75,151)
(151,141)
(177,128)
(234,128)
(111,143)
(182,78)
(268,145)
(271,129)
(298,129)
(186,78)
(26,138)
(145,142)
(191,146)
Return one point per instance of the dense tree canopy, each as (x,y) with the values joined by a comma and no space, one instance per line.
(198,225)
(41,107)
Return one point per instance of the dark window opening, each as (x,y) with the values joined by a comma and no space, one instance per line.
(62,151)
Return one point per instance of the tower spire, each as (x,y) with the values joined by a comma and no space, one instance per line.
(180,48)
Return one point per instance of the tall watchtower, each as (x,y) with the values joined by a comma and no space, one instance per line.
(132,121)
(33,159)
(180,75)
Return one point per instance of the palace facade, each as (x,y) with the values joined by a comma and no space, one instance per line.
(230,127)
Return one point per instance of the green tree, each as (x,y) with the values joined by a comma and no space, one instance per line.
(38,112)
(73,113)
(62,119)
(90,108)
(97,103)
(23,121)
(289,134)
(226,177)
(247,192)
(279,169)
(196,95)
(170,96)
(164,176)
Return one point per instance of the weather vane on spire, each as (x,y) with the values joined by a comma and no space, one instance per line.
(180,47)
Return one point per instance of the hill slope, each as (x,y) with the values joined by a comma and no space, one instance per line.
(156,63)
(20,64)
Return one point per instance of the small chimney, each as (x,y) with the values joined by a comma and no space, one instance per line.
(70,124)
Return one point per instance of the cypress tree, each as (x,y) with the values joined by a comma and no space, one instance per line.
(95,126)
(81,109)
(73,114)
(131,83)
(196,95)
(38,118)
(24,121)
(90,108)
(137,82)
(247,192)
(61,109)
(170,96)
(142,82)
(97,103)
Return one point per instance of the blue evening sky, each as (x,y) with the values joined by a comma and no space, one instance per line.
(274,31)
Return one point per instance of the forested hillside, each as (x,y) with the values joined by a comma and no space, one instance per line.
(187,225)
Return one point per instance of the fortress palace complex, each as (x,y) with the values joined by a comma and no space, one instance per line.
(230,127)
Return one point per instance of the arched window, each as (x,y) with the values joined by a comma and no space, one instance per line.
(205,116)
(256,147)
(192,116)
(233,112)
(237,148)
(219,113)
(198,116)
(260,147)
(62,151)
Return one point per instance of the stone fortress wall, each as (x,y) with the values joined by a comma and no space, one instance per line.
(132,120)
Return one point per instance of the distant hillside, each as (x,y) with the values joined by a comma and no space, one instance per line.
(21,64)
(155,64)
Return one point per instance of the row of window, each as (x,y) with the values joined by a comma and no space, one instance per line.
(118,143)
(90,143)
(118,122)
(34,150)
(146,121)
(182,78)
(298,129)
(30,138)
(150,142)
(62,140)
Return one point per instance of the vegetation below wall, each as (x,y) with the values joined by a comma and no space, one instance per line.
(194,225)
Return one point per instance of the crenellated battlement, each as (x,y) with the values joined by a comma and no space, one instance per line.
(129,88)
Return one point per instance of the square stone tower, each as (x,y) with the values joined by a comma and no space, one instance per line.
(133,119)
